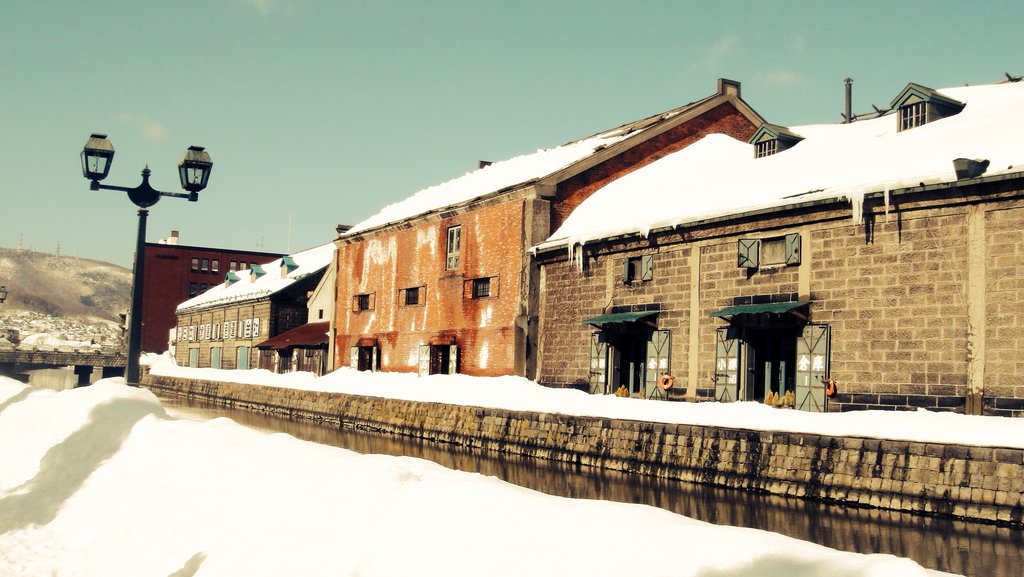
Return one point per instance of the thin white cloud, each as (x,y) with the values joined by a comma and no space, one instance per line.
(152,130)
(264,7)
(720,51)
(779,78)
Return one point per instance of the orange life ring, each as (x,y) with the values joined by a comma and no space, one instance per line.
(666,381)
(830,387)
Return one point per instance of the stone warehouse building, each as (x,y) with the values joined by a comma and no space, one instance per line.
(442,282)
(174,273)
(223,327)
(885,255)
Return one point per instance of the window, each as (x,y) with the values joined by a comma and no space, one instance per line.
(765,148)
(782,250)
(202,287)
(232,266)
(412,296)
(234,329)
(453,245)
(912,115)
(195,264)
(206,265)
(481,288)
(638,268)
(320,313)
(193,289)
(363,302)
(215,265)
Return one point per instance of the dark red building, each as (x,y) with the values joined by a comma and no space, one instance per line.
(175,273)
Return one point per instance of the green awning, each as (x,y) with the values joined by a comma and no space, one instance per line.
(759,308)
(618,318)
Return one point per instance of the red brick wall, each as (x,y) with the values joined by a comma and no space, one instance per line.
(166,281)
(383,264)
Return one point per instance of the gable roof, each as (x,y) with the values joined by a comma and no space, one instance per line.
(252,286)
(549,166)
(718,176)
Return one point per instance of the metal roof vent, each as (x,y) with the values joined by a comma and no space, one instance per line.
(969,168)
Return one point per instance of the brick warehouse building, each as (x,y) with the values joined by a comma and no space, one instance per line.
(884,254)
(223,327)
(174,273)
(442,282)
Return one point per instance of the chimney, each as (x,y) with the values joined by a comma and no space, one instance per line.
(483,163)
(848,115)
(726,86)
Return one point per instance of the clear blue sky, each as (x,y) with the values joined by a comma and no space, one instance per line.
(318,112)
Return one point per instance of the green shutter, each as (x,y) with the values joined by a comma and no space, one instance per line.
(647,267)
(748,253)
(793,251)
(812,360)
(727,366)
(626,277)
(659,362)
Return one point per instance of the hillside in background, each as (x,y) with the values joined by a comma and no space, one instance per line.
(62,295)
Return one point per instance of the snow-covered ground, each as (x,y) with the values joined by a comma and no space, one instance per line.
(101,481)
(519,394)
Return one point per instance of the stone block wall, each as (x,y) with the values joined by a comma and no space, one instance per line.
(978,483)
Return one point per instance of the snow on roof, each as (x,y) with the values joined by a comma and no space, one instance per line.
(719,176)
(515,171)
(489,179)
(246,288)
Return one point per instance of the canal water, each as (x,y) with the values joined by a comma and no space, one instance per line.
(972,549)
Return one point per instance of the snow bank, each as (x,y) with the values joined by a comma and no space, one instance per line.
(100,481)
(518,394)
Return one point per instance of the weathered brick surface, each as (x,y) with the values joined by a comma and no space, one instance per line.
(982,483)
(893,289)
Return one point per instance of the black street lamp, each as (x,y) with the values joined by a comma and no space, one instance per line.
(194,170)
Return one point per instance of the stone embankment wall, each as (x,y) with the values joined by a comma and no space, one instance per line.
(979,483)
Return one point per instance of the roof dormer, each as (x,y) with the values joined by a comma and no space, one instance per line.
(917,105)
(771,139)
(230,278)
(255,272)
(288,265)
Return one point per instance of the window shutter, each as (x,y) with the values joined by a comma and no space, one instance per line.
(598,363)
(625,271)
(423,362)
(353,358)
(793,251)
(749,250)
(727,366)
(659,346)
(812,360)
(374,355)
(453,359)
(647,267)
(256,327)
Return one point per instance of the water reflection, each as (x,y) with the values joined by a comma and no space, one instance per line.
(971,549)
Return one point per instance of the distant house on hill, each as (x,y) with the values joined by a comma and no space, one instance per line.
(442,282)
(884,255)
(223,327)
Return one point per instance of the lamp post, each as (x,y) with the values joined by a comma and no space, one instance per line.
(194,171)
